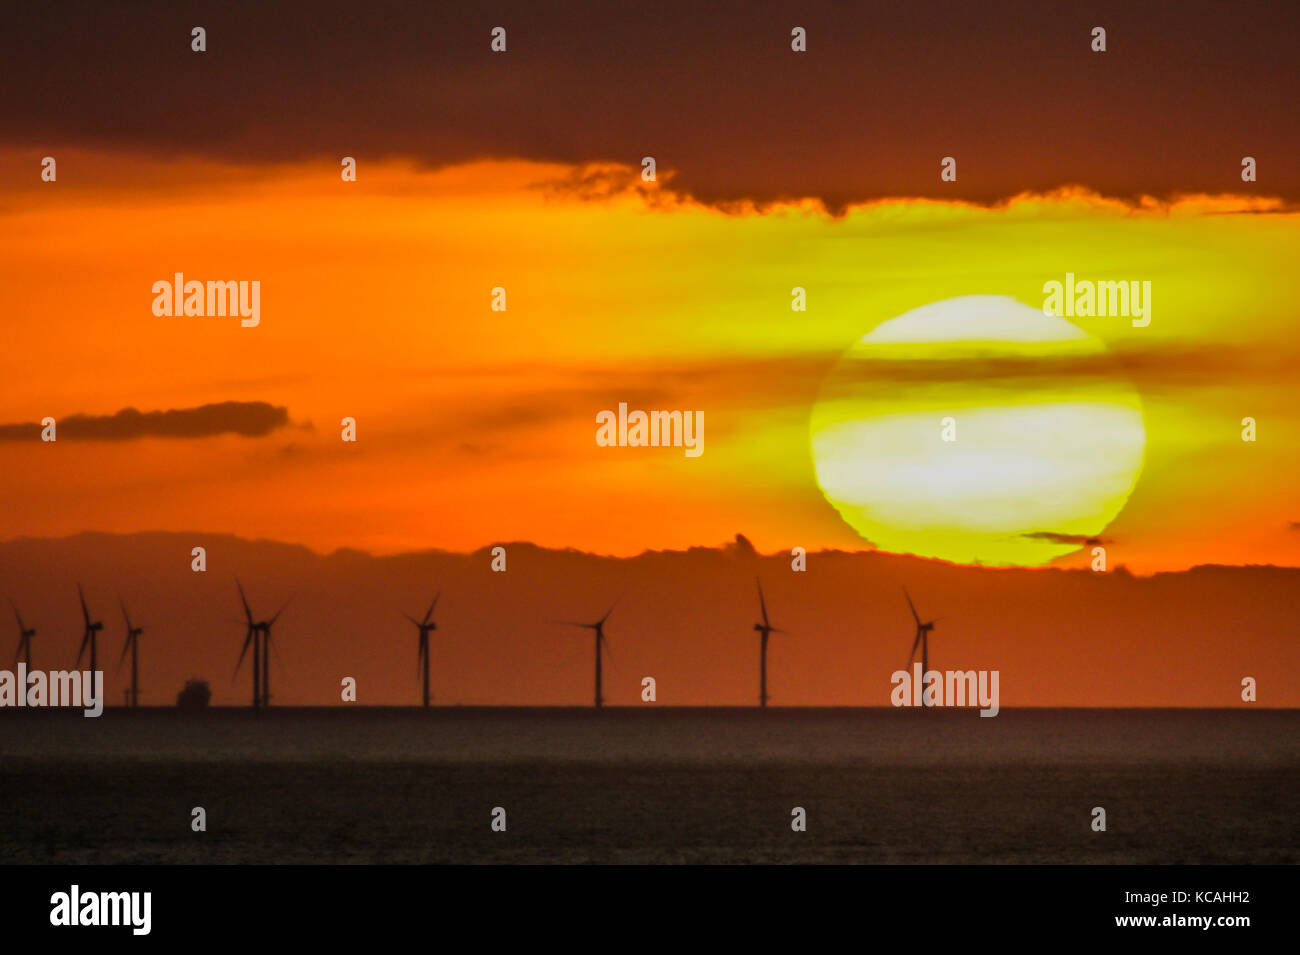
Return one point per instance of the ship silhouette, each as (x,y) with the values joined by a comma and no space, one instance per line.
(195,696)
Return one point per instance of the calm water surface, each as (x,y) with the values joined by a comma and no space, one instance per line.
(650,785)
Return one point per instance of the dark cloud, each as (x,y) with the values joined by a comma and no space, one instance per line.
(251,419)
(792,383)
(1157,366)
(595,182)
(579,392)
(1081,540)
(1011,90)
(741,546)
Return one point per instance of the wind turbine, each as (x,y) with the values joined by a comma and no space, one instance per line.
(253,637)
(425,626)
(268,645)
(25,635)
(258,636)
(922,637)
(89,637)
(132,644)
(765,629)
(599,628)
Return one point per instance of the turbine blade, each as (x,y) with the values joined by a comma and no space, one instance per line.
(761,602)
(248,638)
(84,640)
(915,615)
(126,615)
(17,615)
(572,623)
(610,610)
(125,646)
(248,611)
(278,612)
(412,619)
(84,612)
(915,644)
(432,607)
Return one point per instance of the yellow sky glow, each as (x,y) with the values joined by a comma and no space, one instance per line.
(476,426)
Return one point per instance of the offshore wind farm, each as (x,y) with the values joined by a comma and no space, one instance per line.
(357,506)
(706,771)
(840,629)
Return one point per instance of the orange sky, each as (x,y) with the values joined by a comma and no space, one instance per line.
(476,426)
(777,171)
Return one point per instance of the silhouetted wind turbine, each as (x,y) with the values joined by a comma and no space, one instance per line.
(90,635)
(25,635)
(258,636)
(425,627)
(599,628)
(765,629)
(253,637)
(267,646)
(132,644)
(923,638)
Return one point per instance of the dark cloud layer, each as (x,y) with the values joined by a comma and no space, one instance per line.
(1012,90)
(1079,539)
(796,380)
(1155,367)
(251,419)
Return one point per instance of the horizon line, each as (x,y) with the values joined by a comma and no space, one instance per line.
(723,547)
(588,708)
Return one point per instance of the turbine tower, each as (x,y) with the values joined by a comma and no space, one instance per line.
(268,645)
(425,626)
(25,635)
(258,636)
(253,637)
(599,628)
(132,644)
(90,636)
(765,629)
(923,638)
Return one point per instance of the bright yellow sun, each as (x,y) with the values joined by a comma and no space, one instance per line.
(977,429)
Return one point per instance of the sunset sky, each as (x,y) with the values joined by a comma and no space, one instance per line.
(476,426)
(776,170)
(822,429)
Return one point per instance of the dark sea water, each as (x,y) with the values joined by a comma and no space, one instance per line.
(650,785)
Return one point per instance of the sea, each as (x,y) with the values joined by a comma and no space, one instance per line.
(649,785)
